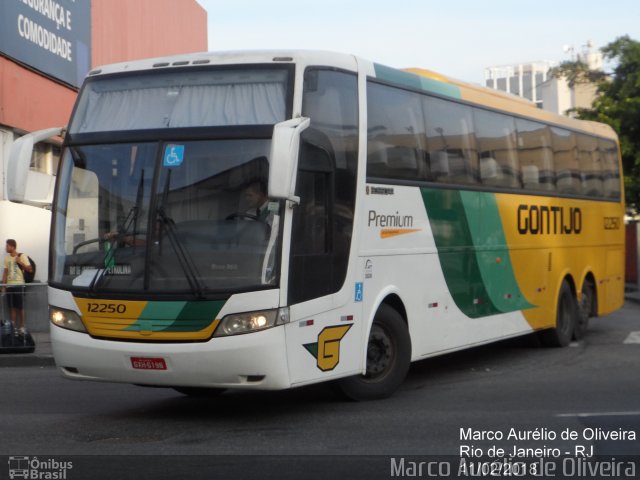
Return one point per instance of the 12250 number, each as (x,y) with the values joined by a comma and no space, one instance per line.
(106,308)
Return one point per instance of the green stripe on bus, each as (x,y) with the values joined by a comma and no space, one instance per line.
(492,253)
(456,252)
(418,82)
(177,316)
(473,252)
(196,316)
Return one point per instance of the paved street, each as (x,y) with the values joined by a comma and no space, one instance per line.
(592,384)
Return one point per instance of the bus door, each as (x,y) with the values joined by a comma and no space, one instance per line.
(324,336)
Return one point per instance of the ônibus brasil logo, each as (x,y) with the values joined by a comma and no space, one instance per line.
(38,469)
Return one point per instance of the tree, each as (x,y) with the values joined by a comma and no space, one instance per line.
(576,72)
(617,104)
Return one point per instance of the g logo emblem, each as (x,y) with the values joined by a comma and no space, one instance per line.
(327,350)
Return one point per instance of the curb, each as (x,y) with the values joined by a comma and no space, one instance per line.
(632,298)
(26,360)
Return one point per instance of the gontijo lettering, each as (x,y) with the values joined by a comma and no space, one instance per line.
(544,220)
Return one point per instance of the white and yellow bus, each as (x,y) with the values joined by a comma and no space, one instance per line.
(400,215)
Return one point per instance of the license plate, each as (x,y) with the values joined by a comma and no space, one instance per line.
(148,363)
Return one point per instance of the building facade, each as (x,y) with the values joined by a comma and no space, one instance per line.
(524,80)
(533,81)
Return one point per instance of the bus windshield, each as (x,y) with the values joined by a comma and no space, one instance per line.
(168,217)
(144,205)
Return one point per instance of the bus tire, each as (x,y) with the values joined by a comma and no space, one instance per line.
(585,310)
(388,358)
(566,320)
(199,391)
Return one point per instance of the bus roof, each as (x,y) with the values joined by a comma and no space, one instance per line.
(318,57)
(417,78)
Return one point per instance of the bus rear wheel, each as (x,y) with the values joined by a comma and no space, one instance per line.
(199,391)
(587,299)
(388,358)
(566,320)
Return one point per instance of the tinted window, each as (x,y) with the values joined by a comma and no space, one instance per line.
(313,222)
(565,156)
(396,139)
(326,185)
(590,165)
(451,142)
(610,169)
(496,136)
(199,231)
(535,155)
(458,144)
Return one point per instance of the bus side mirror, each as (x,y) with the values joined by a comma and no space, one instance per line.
(18,167)
(283,159)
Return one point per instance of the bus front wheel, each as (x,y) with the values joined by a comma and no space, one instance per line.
(388,358)
(566,320)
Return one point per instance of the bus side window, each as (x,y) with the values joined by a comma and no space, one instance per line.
(535,156)
(453,156)
(610,169)
(565,158)
(496,138)
(396,145)
(590,165)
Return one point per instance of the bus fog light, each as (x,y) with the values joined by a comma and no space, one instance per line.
(66,319)
(238,323)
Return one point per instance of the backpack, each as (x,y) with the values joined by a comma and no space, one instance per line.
(29,276)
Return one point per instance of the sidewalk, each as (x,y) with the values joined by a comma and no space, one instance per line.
(632,292)
(41,357)
(633,296)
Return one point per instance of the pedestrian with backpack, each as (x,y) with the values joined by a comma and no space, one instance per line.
(16,267)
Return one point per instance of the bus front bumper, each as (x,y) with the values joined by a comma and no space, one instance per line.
(252,361)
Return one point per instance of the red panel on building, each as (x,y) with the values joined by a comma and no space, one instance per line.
(30,101)
(126,30)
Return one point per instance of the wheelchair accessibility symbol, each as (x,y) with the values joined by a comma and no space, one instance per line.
(173,155)
(358,293)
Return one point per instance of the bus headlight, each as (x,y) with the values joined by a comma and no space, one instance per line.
(238,323)
(66,319)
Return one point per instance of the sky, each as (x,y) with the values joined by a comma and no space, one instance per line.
(458,38)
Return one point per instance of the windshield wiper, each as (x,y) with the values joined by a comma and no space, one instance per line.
(130,220)
(185,260)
